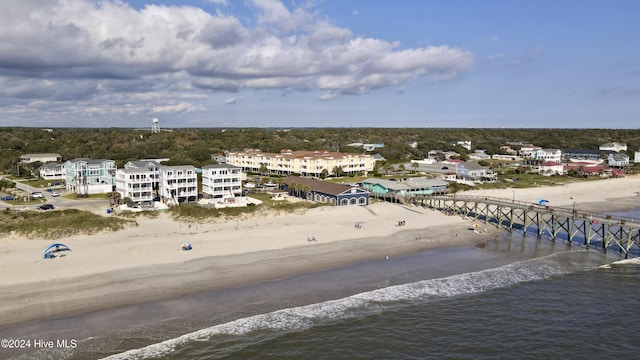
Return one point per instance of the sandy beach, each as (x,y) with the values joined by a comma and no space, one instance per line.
(145,263)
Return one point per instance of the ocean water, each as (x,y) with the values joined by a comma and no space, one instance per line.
(513,297)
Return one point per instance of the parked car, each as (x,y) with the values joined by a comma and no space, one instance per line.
(37,195)
(55,194)
(8,197)
(46,207)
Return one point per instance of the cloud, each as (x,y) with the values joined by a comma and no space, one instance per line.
(231,100)
(57,51)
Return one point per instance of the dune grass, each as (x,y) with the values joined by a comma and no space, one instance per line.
(200,214)
(57,224)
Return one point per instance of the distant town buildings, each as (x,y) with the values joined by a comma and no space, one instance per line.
(614,146)
(465,144)
(367,147)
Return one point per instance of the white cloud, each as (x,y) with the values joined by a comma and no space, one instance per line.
(59,51)
(231,100)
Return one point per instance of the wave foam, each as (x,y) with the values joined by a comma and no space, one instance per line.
(303,317)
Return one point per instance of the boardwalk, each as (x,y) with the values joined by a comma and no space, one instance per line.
(607,232)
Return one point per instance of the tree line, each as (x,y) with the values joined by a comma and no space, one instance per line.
(195,146)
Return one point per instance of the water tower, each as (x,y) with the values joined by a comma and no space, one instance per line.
(155,127)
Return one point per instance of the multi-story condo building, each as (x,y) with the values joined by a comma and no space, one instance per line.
(221,180)
(90,176)
(305,163)
(43,158)
(178,184)
(135,184)
(585,154)
(152,165)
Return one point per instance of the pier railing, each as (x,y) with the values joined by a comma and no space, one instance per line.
(606,231)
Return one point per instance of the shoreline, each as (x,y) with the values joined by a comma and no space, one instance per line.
(143,263)
(166,281)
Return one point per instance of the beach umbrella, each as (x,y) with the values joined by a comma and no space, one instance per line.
(542,201)
(49,251)
(186,246)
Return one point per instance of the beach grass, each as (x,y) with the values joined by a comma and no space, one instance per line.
(199,213)
(57,224)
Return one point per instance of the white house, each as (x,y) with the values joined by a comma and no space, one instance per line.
(90,176)
(528,150)
(465,144)
(636,158)
(617,160)
(614,146)
(221,180)
(548,155)
(472,171)
(52,171)
(136,184)
(43,158)
(479,155)
(151,164)
(549,168)
(178,184)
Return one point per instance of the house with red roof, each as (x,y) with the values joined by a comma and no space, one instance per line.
(549,168)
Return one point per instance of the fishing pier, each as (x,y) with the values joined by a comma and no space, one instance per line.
(602,231)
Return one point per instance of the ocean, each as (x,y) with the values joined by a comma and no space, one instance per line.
(512,297)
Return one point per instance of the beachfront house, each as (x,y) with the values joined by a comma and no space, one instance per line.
(135,184)
(325,192)
(90,176)
(618,160)
(221,180)
(405,187)
(527,150)
(307,163)
(43,158)
(52,171)
(474,172)
(549,168)
(547,155)
(178,184)
(152,165)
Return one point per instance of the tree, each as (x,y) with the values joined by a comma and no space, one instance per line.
(307,190)
(114,197)
(263,169)
(401,167)
(415,166)
(338,171)
(324,173)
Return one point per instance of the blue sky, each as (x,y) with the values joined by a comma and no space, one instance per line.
(323,63)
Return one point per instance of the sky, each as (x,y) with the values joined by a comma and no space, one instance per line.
(320,63)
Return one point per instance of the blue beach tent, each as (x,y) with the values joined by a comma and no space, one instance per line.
(51,250)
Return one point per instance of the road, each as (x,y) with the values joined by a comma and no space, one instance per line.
(59,202)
